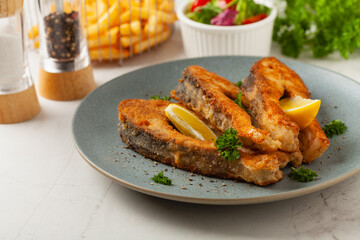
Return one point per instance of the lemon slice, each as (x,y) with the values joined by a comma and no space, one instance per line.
(188,124)
(300,110)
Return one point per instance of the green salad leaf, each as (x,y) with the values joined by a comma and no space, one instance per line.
(204,14)
(248,8)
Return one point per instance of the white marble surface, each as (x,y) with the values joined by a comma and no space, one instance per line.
(49,192)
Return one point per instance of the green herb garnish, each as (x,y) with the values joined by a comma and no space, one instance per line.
(303,174)
(323,26)
(238,83)
(227,145)
(204,14)
(160,178)
(157,97)
(238,100)
(335,127)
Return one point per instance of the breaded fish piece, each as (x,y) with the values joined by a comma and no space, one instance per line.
(269,81)
(211,97)
(262,90)
(313,142)
(144,127)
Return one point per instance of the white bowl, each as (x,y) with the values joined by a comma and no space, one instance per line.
(208,40)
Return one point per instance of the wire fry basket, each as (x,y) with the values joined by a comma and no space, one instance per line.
(116,29)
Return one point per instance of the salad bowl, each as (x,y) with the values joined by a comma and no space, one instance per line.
(209,40)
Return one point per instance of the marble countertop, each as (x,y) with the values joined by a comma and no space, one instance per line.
(50,192)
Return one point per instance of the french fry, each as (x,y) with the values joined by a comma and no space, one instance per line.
(143,13)
(154,30)
(107,53)
(149,4)
(36,44)
(144,44)
(104,39)
(132,28)
(135,27)
(165,17)
(33,32)
(167,6)
(151,25)
(89,12)
(126,41)
(103,23)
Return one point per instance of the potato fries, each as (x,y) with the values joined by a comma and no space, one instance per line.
(120,28)
(135,27)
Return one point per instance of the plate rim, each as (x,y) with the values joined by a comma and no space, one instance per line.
(222,201)
(214,201)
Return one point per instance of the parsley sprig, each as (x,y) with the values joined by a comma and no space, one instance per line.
(302,174)
(238,100)
(161,179)
(239,83)
(335,127)
(227,145)
(157,97)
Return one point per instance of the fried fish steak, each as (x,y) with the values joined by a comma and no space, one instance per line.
(212,97)
(144,127)
(269,81)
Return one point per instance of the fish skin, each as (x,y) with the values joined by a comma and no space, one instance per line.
(144,127)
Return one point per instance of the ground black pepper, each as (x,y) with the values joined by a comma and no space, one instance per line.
(62,32)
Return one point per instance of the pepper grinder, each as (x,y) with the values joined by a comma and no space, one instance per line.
(65,69)
(18,100)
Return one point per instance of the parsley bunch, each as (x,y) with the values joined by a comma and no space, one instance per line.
(303,174)
(160,178)
(324,26)
(335,127)
(227,145)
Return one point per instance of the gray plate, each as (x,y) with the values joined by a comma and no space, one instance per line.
(97,140)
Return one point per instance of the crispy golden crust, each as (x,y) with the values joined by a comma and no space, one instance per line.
(145,128)
(269,81)
(313,141)
(262,90)
(211,96)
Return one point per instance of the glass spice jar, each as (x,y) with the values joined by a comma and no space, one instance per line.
(62,42)
(18,99)
(14,72)
(65,68)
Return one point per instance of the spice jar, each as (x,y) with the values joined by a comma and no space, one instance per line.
(18,100)
(65,71)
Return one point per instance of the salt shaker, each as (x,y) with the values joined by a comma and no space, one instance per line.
(18,100)
(65,71)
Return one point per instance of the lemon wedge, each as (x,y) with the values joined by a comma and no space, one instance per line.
(188,124)
(300,110)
